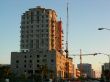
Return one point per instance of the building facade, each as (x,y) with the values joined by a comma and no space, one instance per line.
(40,29)
(105,75)
(41,51)
(87,69)
(105,66)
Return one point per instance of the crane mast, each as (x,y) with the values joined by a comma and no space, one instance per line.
(67,25)
(66,50)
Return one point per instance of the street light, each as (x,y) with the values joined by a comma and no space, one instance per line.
(106,54)
(108,63)
(108,58)
(103,28)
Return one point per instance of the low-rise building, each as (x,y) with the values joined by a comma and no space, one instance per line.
(51,63)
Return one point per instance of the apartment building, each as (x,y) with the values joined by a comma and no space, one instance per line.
(40,29)
(41,51)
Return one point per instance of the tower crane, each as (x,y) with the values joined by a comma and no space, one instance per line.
(80,55)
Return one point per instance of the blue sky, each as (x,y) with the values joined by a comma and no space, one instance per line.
(85,17)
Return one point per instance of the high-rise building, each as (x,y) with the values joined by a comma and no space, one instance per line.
(86,69)
(40,45)
(40,29)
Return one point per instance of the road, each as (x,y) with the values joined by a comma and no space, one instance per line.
(86,81)
(92,81)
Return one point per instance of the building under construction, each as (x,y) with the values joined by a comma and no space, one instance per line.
(41,47)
